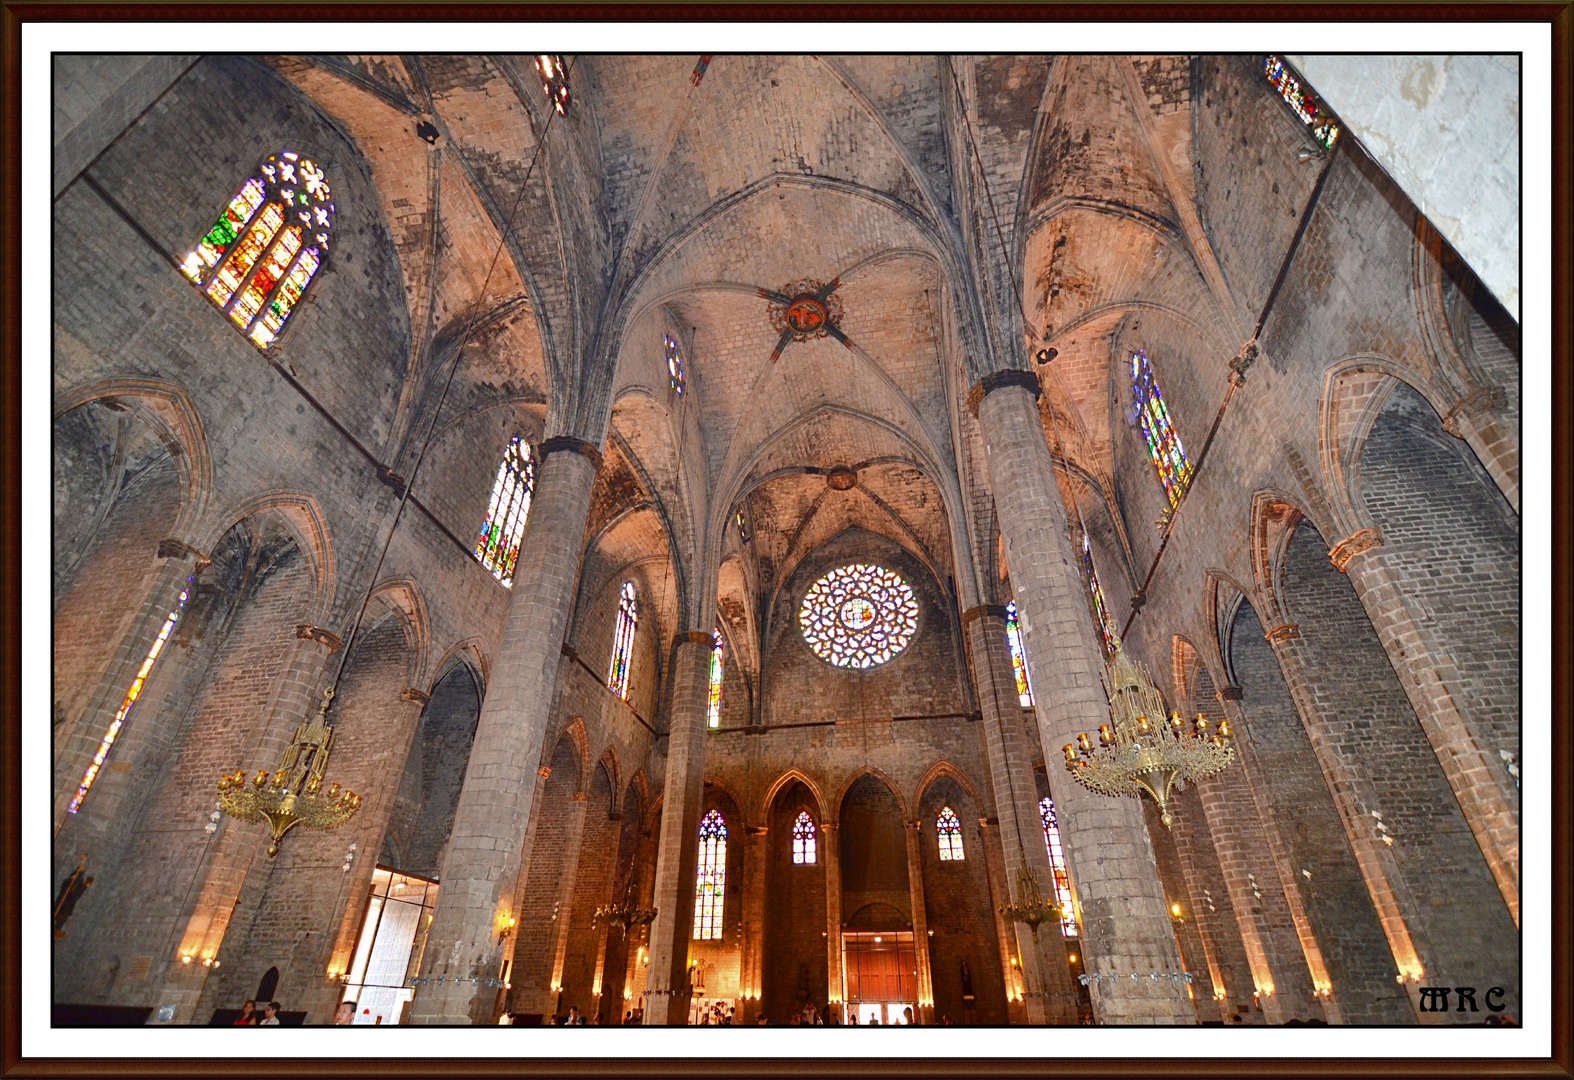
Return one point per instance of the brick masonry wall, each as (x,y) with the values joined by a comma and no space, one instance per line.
(959,910)
(794,933)
(434,771)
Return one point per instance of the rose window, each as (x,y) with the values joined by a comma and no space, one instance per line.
(858,616)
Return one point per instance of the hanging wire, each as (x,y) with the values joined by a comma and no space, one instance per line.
(409,483)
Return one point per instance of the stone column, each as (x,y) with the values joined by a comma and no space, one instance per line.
(831,852)
(1005,939)
(236,845)
(915,888)
(573,842)
(751,976)
(1047,993)
(1487,796)
(667,992)
(1125,923)
(486,845)
(1349,790)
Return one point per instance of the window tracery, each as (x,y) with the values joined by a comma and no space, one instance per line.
(858,616)
(1057,867)
(803,839)
(949,830)
(497,544)
(257,260)
(1311,111)
(1018,657)
(1164,443)
(623,641)
(710,878)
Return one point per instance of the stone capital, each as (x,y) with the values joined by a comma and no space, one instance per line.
(1230,693)
(179,549)
(567,442)
(420,697)
(1283,632)
(1481,399)
(982,610)
(308,632)
(997,379)
(544,771)
(1354,544)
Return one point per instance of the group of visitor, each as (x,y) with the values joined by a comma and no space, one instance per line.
(718,1013)
(249,1017)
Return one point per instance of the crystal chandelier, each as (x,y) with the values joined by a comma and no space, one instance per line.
(292,795)
(1031,907)
(1138,751)
(626,915)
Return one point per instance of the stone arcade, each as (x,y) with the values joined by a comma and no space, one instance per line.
(714,490)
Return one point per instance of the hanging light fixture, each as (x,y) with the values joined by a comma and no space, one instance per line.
(1138,750)
(1031,907)
(292,795)
(626,915)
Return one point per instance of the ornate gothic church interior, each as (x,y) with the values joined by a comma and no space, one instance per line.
(771,540)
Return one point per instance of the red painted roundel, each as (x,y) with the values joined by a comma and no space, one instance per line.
(806,315)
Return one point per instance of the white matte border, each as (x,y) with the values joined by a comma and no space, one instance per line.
(1532,40)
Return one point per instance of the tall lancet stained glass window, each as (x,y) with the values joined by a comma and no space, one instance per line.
(256,261)
(497,545)
(674,353)
(1018,657)
(803,837)
(623,641)
(1057,866)
(1164,444)
(1096,597)
(710,878)
(718,667)
(949,830)
(138,684)
(1311,111)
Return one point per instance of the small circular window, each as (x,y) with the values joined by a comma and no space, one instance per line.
(858,616)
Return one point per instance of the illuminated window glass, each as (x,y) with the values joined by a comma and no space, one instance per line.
(858,616)
(131,697)
(1018,657)
(949,830)
(803,839)
(497,545)
(710,882)
(1164,444)
(718,660)
(623,642)
(554,80)
(1096,595)
(743,526)
(674,365)
(1057,866)
(1311,111)
(256,261)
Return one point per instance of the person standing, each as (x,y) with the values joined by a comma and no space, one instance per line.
(270,1014)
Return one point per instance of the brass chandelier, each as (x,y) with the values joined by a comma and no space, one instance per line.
(1031,907)
(1138,751)
(292,795)
(626,915)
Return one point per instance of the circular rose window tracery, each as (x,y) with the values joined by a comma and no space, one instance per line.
(858,616)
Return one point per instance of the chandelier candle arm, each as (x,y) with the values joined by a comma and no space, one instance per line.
(1138,753)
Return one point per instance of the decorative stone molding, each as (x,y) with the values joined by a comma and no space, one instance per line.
(568,442)
(1230,693)
(544,771)
(1243,362)
(581,796)
(323,637)
(979,612)
(387,476)
(1283,632)
(699,637)
(420,697)
(997,379)
(756,830)
(1351,546)
(1478,401)
(179,549)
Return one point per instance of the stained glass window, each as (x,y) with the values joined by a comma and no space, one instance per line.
(497,545)
(554,80)
(1018,657)
(1096,594)
(1164,444)
(710,879)
(858,615)
(256,261)
(1311,111)
(623,642)
(803,835)
(131,697)
(743,526)
(718,660)
(949,830)
(674,364)
(1057,866)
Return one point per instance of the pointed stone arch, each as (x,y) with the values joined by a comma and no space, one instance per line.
(304,517)
(947,769)
(835,807)
(781,784)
